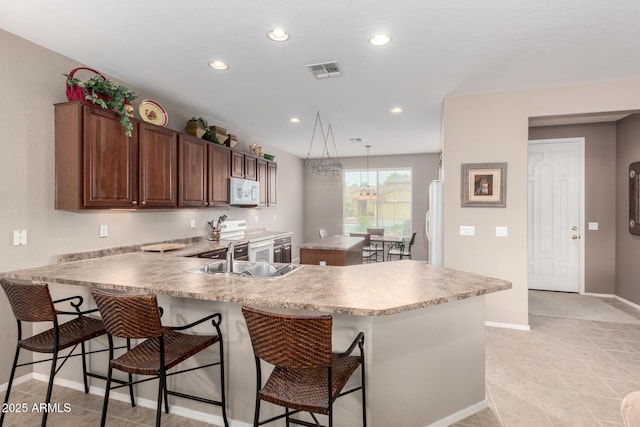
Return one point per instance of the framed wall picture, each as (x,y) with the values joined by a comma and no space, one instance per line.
(484,185)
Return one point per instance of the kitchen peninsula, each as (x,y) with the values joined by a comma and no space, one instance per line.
(423,325)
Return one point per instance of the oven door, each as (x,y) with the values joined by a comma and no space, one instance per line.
(261,250)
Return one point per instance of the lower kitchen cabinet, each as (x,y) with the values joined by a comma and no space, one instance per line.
(282,249)
(240,253)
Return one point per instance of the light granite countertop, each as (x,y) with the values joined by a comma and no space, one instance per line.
(376,289)
(333,243)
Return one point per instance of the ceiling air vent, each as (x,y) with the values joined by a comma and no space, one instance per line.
(355,140)
(325,70)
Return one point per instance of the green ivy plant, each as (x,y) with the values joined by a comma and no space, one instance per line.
(108,95)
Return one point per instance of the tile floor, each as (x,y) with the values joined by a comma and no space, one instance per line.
(564,372)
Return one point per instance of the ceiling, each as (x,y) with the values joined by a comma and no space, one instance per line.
(439,48)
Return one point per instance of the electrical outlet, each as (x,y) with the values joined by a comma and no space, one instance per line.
(193,223)
(19,237)
(104,231)
(502,232)
(467,230)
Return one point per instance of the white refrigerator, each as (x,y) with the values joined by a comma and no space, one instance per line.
(434,223)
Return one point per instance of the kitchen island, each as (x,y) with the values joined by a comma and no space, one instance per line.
(423,325)
(334,250)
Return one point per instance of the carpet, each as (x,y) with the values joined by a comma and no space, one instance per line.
(575,306)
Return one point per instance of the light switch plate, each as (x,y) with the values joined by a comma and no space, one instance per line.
(502,232)
(104,231)
(193,223)
(593,226)
(467,230)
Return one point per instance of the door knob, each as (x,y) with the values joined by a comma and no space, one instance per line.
(574,237)
(574,228)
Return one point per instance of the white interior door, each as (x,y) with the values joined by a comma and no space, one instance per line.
(556,212)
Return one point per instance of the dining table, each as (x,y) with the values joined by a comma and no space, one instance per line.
(387,243)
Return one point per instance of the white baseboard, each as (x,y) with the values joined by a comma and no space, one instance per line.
(461,415)
(145,403)
(629,303)
(16,381)
(515,326)
(593,294)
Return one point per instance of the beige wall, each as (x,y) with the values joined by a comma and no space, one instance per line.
(600,199)
(323,195)
(31,82)
(494,128)
(627,244)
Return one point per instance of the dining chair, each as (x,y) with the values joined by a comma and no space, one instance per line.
(307,376)
(401,249)
(377,247)
(32,303)
(322,232)
(369,250)
(164,347)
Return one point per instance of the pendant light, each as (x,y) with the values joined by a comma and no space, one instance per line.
(326,164)
(367,193)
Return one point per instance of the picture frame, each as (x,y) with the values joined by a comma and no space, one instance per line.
(484,185)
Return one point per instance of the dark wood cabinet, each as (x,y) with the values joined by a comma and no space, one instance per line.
(263,180)
(282,249)
(96,163)
(158,166)
(218,254)
(272,184)
(98,166)
(219,165)
(192,171)
(237,165)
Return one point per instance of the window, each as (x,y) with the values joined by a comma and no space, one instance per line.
(390,208)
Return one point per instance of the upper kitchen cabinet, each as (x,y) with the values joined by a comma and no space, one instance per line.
(219,163)
(244,166)
(192,171)
(98,166)
(96,163)
(158,163)
(272,187)
(263,180)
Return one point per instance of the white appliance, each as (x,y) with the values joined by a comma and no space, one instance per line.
(434,224)
(261,250)
(233,229)
(244,192)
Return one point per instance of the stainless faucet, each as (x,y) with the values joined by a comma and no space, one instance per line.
(230,249)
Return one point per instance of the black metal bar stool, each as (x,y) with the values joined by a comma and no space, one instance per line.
(138,317)
(307,375)
(31,302)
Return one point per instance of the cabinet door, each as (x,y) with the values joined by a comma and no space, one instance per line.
(250,168)
(277,254)
(272,187)
(110,161)
(262,179)
(286,253)
(237,165)
(158,166)
(218,174)
(192,158)
(220,254)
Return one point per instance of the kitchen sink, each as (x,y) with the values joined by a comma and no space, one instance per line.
(260,270)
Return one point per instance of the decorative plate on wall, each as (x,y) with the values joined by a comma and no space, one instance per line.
(152,112)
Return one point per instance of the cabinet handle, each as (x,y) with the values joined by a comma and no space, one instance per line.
(134,202)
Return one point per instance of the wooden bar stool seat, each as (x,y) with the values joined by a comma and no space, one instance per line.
(138,317)
(307,375)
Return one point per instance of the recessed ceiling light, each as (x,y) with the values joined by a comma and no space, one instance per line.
(380,39)
(294,120)
(218,65)
(278,35)
(397,110)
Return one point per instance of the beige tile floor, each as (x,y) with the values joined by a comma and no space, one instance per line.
(564,372)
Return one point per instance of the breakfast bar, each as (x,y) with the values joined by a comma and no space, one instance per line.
(423,326)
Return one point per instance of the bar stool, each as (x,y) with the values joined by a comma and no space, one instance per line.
(307,375)
(138,317)
(31,302)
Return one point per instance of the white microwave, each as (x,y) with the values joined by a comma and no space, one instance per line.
(244,192)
